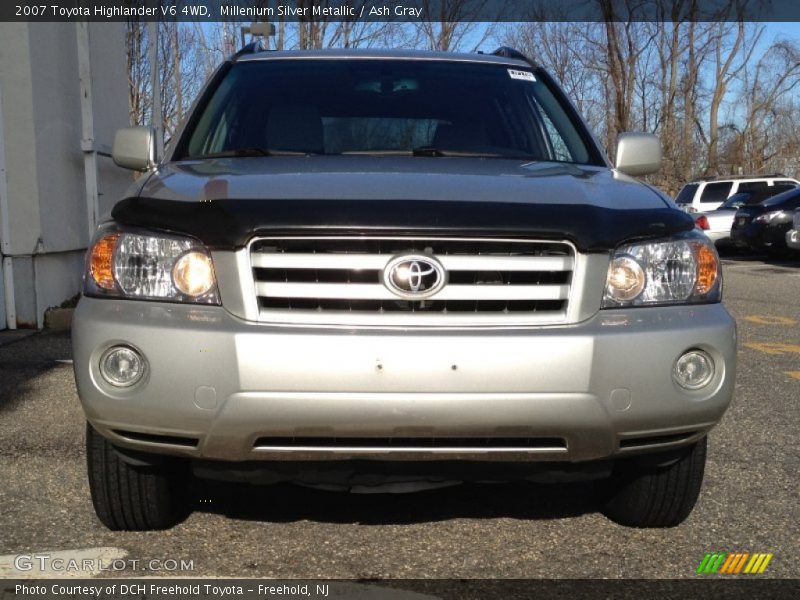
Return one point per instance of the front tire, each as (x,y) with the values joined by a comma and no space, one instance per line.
(128,497)
(639,496)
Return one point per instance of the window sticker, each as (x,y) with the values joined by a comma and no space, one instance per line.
(524,75)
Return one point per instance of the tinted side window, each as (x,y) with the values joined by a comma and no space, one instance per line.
(686,194)
(716,192)
(557,142)
(752,186)
(771,191)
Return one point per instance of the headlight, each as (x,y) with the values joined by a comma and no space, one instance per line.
(675,271)
(147,266)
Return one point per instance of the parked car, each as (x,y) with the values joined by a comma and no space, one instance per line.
(793,235)
(716,224)
(709,194)
(370,267)
(763,227)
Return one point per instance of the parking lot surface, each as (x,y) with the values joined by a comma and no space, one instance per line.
(749,501)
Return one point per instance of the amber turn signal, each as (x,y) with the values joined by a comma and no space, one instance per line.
(101,261)
(707,269)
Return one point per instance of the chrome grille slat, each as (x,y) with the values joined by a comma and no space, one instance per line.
(339,281)
(377,261)
(365,291)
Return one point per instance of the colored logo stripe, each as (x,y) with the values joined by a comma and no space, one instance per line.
(740,564)
(735,562)
(724,563)
(727,566)
(711,562)
(758,563)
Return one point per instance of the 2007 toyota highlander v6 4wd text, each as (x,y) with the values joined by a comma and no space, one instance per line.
(360,268)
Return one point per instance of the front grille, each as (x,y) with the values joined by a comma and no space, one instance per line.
(340,280)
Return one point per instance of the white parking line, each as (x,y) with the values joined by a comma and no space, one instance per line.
(85,562)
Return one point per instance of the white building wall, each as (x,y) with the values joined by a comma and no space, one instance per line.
(110,110)
(41,113)
(2,300)
(56,112)
(19,132)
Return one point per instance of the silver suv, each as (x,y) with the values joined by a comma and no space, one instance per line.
(363,268)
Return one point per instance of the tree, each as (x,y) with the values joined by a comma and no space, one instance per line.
(448,25)
(730,56)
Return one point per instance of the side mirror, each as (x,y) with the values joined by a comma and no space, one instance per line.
(135,148)
(638,154)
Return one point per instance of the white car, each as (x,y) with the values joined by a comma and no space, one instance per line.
(709,194)
(716,224)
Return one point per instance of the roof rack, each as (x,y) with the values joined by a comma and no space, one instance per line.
(251,48)
(737,177)
(509,52)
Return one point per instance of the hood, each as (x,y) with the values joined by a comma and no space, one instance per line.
(396,178)
(224,202)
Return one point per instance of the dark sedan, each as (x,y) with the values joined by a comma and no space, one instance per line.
(762,227)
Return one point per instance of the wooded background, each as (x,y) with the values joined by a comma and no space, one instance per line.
(721,96)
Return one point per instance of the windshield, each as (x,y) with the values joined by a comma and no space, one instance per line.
(736,201)
(393,107)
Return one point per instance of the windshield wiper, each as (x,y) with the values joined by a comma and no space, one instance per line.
(248,152)
(436,152)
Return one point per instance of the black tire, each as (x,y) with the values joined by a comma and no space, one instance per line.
(639,496)
(129,497)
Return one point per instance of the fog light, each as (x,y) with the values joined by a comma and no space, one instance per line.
(122,366)
(694,369)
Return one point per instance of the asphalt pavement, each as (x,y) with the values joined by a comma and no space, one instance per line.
(749,501)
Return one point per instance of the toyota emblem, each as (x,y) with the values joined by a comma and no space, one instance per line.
(414,276)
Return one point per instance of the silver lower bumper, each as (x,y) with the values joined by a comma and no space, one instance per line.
(226,389)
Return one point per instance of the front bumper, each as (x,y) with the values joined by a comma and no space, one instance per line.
(226,389)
